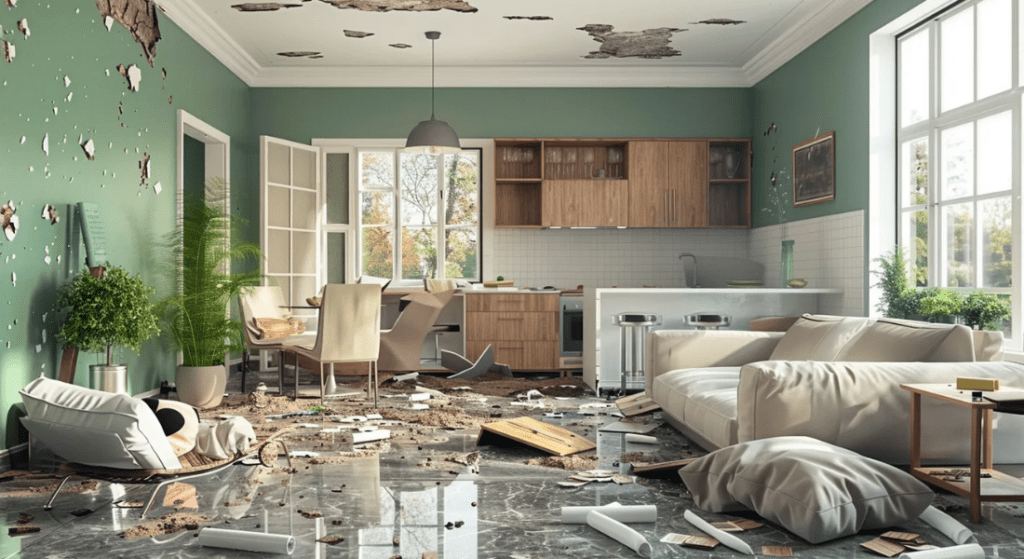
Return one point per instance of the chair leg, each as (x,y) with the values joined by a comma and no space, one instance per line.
(372,380)
(322,384)
(280,373)
(295,395)
(244,368)
(49,504)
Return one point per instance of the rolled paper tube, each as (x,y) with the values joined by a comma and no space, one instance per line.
(419,396)
(726,538)
(946,524)
(628,514)
(969,551)
(247,541)
(619,532)
(642,439)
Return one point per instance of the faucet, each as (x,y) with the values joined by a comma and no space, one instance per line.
(694,257)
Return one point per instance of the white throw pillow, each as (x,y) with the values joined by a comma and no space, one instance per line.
(96,428)
(818,337)
(815,490)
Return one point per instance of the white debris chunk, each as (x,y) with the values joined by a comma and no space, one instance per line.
(8,220)
(39,348)
(23,139)
(157,188)
(89,148)
(46,143)
(70,95)
(67,81)
(108,22)
(14,278)
(23,27)
(54,112)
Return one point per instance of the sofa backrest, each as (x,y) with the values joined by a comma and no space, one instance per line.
(818,337)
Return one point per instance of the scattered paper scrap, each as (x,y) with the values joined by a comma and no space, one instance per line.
(621,479)
(637,404)
(746,524)
(573,483)
(885,548)
(526,430)
(621,427)
(901,537)
(776,551)
(700,542)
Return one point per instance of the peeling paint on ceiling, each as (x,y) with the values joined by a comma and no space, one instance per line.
(133,74)
(650,43)
(530,18)
(299,54)
(402,5)
(23,27)
(12,3)
(8,50)
(719,21)
(357,34)
(400,46)
(263,6)
(9,220)
(139,18)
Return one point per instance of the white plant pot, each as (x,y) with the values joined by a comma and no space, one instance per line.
(202,387)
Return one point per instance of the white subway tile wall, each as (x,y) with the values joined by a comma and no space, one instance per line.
(828,253)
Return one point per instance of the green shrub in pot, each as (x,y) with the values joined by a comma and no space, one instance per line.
(941,305)
(984,310)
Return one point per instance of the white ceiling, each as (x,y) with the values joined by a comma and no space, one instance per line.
(485,49)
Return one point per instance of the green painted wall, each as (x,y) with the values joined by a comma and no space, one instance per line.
(194,172)
(822,89)
(301,114)
(68,38)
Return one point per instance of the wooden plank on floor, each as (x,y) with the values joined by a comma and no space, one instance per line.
(637,404)
(526,430)
(661,467)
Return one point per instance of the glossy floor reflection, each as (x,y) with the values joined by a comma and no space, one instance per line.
(393,505)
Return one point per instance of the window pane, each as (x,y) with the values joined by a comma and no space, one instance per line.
(958,162)
(914,173)
(960,258)
(419,188)
(376,170)
(995,155)
(997,242)
(378,208)
(915,245)
(914,66)
(462,188)
(378,251)
(461,252)
(419,252)
(994,47)
(335,258)
(957,64)
(336,188)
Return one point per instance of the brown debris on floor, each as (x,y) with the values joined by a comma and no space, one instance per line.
(25,518)
(343,459)
(402,5)
(22,530)
(574,462)
(310,513)
(649,43)
(87,486)
(139,18)
(331,539)
(165,525)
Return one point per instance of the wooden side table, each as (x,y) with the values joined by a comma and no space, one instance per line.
(998,487)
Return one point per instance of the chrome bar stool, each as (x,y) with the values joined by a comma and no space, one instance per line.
(634,327)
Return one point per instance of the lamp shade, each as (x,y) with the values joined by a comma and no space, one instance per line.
(433,136)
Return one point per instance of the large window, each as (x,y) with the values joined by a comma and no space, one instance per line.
(959,130)
(419,214)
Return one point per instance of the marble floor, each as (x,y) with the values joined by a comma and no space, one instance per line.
(386,505)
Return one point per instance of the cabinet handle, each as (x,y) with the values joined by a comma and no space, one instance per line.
(510,318)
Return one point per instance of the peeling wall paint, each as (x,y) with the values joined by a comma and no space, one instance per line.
(139,18)
(719,21)
(400,46)
(263,6)
(650,43)
(530,18)
(403,5)
(357,34)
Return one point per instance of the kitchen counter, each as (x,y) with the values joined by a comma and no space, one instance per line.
(601,338)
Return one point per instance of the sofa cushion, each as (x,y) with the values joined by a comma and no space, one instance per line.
(892,340)
(96,428)
(179,421)
(818,337)
(815,490)
(705,399)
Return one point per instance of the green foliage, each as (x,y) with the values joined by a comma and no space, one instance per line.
(941,302)
(892,274)
(317,409)
(197,315)
(107,311)
(985,311)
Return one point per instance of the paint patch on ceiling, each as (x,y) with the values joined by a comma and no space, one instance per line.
(400,46)
(50,212)
(357,34)
(402,5)
(8,220)
(530,18)
(139,18)
(8,50)
(299,54)
(650,43)
(719,21)
(133,74)
(12,3)
(263,6)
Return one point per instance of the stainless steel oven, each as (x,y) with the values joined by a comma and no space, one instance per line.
(571,331)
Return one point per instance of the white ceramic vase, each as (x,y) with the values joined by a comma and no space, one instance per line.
(201,387)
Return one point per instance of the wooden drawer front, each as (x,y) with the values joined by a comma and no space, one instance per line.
(512,302)
(519,355)
(512,326)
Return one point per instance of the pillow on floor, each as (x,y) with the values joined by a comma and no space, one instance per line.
(814,489)
(179,421)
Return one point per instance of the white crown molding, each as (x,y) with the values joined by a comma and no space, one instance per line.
(194,21)
(807,32)
(502,77)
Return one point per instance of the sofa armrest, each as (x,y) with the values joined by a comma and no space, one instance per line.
(858,405)
(668,350)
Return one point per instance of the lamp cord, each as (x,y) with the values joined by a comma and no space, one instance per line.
(432,79)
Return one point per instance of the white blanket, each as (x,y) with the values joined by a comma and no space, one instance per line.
(226,438)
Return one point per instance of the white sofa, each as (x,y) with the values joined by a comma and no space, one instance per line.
(832,378)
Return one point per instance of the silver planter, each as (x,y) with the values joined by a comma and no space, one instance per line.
(109,378)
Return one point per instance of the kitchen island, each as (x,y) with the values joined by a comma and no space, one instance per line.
(601,365)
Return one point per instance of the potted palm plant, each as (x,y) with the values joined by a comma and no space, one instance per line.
(197,314)
(104,312)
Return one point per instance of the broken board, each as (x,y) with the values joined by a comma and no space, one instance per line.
(637,404)
(661,467)
(529,431)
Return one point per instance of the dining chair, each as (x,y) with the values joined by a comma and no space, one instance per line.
(265,301)
(348,331)
(400,347)
(438,329)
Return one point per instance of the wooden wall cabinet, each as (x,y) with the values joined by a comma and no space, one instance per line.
(522,328)
(668,185)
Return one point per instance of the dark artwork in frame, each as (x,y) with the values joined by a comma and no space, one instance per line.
(814,170)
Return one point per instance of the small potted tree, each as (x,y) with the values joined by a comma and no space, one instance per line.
(104,312)
(197,315)
(984,311)
(941,305)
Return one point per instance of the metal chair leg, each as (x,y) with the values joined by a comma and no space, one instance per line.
(280,372)
(295,395)
(49,504)
(244,367)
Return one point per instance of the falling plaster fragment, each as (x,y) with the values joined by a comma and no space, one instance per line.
(54,112)
(46,144)
(14,281)
(531,18)
(12,3)
(400,46)
(23,27)
(719,21)
(8,50)
(108,22)
(89,148)
(316,57)
(139,17)
(263,6)
(23,140)
(157,188)
(650,43)
(133,74)
(70,95)
(39,348)
(298,53)
(44,335)
(357,34)
(144,168)
(402,5)
(163,73)
(10,221)
(67,81)
(50,212)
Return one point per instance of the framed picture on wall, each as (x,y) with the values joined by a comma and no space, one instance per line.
(814,170)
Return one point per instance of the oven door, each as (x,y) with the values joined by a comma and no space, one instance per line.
(572,331)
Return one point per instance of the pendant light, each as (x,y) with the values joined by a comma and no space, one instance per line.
(432,136)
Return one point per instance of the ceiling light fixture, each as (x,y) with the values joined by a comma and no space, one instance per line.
(432,136)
